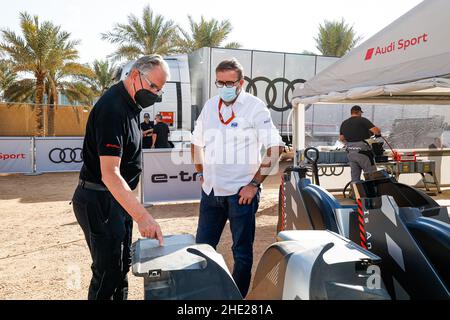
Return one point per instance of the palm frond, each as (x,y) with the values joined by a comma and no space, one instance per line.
(148,35)
(205,33)
(336,38)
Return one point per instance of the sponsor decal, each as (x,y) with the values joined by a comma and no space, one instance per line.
(167,117)
(109,145)
(12,156)
(182,176)
(399,45)
(66,155)
(271,92)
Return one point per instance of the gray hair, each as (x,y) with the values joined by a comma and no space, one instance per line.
(147,63)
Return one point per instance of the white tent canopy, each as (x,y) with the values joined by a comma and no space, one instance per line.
(407,62)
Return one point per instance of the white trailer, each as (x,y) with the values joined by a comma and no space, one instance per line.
(272,76)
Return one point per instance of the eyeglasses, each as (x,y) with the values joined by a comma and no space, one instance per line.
(228,84)
(158,90)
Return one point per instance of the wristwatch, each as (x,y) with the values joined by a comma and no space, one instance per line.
(255,183)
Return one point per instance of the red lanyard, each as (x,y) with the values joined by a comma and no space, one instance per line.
(220,115)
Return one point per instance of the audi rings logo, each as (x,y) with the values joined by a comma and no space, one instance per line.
(271,93)
(66,155)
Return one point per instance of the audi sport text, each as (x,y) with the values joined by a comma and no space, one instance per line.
(402,44)
(8,156)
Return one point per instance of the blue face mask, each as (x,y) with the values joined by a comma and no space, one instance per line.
(228,94)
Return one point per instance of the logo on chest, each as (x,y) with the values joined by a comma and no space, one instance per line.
(234,124)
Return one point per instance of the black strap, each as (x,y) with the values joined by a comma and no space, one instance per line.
(369,154)
(92,186)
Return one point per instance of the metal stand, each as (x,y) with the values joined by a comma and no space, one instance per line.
(421,167)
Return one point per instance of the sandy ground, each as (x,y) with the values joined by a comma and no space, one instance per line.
(43,254)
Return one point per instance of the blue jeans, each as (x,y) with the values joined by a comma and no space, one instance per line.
(214,213)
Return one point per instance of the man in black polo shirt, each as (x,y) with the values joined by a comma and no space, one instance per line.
(147,131)
(354,131)
(160,133)
(103,202)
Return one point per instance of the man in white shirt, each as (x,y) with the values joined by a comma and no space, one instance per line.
(227,144)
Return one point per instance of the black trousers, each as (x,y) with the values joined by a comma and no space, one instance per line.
(108,230)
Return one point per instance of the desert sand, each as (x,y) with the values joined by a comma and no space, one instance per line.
(43,254)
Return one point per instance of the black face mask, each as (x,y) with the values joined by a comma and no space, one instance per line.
(144,97)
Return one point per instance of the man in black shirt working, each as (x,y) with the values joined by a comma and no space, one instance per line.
(160,133)
(147,131)
(353,132)
(103,202)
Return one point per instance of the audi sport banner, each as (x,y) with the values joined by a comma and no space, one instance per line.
(16,155)
(59,154)
(169,175)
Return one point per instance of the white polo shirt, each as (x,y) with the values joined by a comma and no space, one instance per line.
(233,152)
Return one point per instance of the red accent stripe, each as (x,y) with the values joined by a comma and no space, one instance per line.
(362,232)
(283,214)
(109,145)
(369,54)
(363,239)
(361,221)
(358,201)
(361,228)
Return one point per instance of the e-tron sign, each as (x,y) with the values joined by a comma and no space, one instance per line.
(169,175)
(399,45)
(183,176)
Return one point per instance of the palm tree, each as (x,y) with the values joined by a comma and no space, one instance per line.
(7,77)
(66,79)
(206,33)
(336,38)
(104,75)
(308,52)
(62,81)
(43,49)
(153,35)
(71,80)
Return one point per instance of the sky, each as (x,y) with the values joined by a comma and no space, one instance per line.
(277,25)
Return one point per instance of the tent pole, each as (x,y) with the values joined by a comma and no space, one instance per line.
(294,127)
(298,129)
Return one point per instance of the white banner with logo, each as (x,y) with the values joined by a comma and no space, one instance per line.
(59,154)
(16,155)
(169,175)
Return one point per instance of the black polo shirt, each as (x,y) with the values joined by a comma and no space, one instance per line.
(356,129)
(113,129)
(162,131)
(147,140)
